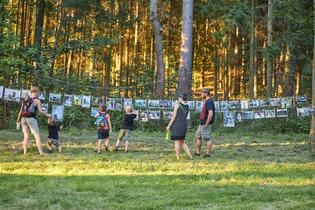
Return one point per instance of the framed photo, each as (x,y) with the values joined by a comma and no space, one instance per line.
(86,101)
(234,104)
(68,100)
(301,100)
(191,104)
(55,97)
(58,112)
(96,101)
(199,105)
(264,102)
(305,111)
(167,115)
(12,95)
(224,106)
(248,115)
(24,93)
(166,104)
(77,100)
(275,102)
(94,111)
(270,113)
(287,102)
(45,107)
(282,112)
(154,115)
(42,96)
(1,91)
(217,106)
(144,116)
(238,116)
(114,104)
(244,104)
(127,102)
(259,114)
(141,104)
(228,120)
(153,104)
(253,104)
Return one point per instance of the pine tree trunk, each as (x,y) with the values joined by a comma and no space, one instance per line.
(312,131)
(185,66)
(252,51)
(158,34)
(270,57)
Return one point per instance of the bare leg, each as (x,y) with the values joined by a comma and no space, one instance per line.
(186,149)
(99,142)
(126,146)
(59,148)
(198,145)
(177,148)
(38,143)
(48,145)
(106,143)
(25,142)
(209,146)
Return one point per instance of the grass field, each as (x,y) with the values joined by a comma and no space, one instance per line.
(252,171)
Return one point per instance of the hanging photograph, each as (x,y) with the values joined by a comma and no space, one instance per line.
(270,113)
(86,101)
(153,104)
(248,115)
(167,115)
(244,104)
(199,105)
(55,97)
(24,93)
(144,116)
(287,102)
(301,100)
(141,104)
(253,104)
(282,112)
(264,102)
(166,104)
(238,116)
(259,114)
(224,106)
(45,107)
(1,91)
(41,96)
(58,112)
(12,95)
(191,104)
(188,116)
(114,104)
(305,111)
(127,102)
(77,100)
(68,99)
(154,115)
(217,106)
(94,111)
(275,102)
(228,120)
(234,104)
(96,101)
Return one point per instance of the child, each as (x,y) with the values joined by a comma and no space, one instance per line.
(127,127)
(53,137)
(104,127)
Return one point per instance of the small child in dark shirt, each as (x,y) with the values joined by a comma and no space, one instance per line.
(53,137)
(126,129)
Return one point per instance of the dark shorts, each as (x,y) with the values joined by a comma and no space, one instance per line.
(175,138)
(55,142)
(102,133)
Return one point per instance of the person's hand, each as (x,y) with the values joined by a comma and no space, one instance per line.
(48,115)
(206,126)
(61,127)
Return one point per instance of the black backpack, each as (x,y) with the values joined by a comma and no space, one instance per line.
(28,109)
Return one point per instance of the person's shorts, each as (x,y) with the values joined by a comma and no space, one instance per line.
(29,124)
(176,138)
(102,133)
(126,134)
(55,142)
(204,133)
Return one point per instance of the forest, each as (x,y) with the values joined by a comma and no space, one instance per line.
(240,48)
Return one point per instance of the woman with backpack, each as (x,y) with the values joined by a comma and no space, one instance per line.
(27,118)
(179,124)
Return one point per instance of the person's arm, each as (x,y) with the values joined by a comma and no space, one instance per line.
(39,107)
(210,107)
(20,115)
(110,125)
(173,117)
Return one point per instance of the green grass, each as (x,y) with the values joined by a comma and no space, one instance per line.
(246,171)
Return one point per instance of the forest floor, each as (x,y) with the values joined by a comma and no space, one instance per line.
(245,171)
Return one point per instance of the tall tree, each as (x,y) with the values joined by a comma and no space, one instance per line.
(252,51)
(269,55)
(312,131)
(185,71)
(158,30)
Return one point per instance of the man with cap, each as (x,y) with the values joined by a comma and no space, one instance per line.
(206,117)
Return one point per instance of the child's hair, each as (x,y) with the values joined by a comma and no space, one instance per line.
(128,109)
(51,121)
(102,108)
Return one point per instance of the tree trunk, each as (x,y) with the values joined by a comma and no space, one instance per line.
(312,131)
(270,57)
(185,66)
(252,51)
(157,29)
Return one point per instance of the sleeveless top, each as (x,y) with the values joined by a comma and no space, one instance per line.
(179,127)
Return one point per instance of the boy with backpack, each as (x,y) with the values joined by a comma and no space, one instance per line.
(53,137)
(104,127)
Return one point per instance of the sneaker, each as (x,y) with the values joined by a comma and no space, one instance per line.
(207,155)
(197,154)
(116,149)
(49,151)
